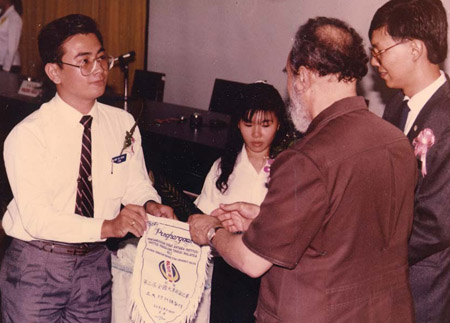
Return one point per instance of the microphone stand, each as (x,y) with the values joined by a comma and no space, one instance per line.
(124,68)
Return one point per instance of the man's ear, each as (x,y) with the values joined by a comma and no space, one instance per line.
(302,79)
(418,49)
(52,70)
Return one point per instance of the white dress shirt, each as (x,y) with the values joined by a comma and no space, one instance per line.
(244,184)
(42,158)
(418,101)
(10,31)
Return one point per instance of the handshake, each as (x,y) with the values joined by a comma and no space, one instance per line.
(235,217)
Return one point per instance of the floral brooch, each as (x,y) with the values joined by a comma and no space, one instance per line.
(128,142)
(266,169)
(421,143)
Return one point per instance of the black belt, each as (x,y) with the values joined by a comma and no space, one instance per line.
(76,249)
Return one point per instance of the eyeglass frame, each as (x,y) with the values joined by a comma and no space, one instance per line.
(378,54)
(109,59)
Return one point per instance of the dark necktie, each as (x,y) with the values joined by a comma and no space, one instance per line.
(404,115)
(85,201)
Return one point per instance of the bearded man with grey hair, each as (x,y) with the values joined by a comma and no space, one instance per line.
(331,236)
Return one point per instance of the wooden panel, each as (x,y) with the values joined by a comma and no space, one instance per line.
(122,23)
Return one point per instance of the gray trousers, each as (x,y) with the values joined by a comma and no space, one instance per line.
(39,286)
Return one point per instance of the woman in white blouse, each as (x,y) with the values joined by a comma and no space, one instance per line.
(241,174)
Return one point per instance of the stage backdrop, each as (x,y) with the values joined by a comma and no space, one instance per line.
(196,41)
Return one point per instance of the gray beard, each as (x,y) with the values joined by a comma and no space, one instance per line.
(299,114)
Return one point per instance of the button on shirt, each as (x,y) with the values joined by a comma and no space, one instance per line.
(418,101)
(244,184)
(10,31)
(42,159)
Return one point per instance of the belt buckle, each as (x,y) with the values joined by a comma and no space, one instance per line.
(46,245)
(72,251)
(83,249)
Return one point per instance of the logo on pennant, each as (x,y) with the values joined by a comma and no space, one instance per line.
(169,271)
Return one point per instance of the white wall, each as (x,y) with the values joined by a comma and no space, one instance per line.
(196,41)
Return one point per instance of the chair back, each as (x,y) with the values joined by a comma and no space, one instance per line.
(225,96)
(148,85)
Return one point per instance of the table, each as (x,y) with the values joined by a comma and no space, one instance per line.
(9,87)
(165,119)
(183,154)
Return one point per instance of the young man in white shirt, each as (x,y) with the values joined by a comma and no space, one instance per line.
(69,180)
(409,40)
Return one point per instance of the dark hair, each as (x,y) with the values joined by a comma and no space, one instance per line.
(254,98)
(425,20)
(53,35)
(329,46)
(17,6)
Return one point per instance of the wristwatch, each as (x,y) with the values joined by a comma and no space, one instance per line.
(211,234)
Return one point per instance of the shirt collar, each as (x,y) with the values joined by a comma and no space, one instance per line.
(242,157)
(71,115)
(418,100)
(243,161)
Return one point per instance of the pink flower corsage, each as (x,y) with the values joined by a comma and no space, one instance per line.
(267,169)
(421,143)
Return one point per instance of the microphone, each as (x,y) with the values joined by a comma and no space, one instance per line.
(126,58)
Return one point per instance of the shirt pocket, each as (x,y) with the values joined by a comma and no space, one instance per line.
(117,179)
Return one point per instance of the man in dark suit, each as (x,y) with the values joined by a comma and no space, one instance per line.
(330,239)
(409,39)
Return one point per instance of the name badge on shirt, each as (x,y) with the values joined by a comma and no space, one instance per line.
(119,159)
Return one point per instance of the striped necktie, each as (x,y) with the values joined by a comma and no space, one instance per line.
(85,201)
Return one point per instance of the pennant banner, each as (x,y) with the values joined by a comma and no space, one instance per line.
(169,274)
